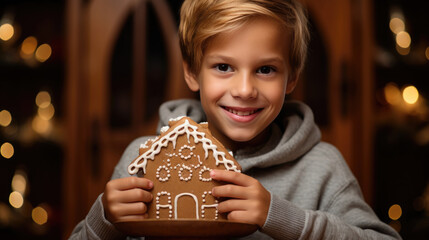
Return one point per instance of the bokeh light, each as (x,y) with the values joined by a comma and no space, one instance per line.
(46,113)
(28,47)
(43,99)
(16,200)
(39,215)
(410,94)
(43,52)
(41,125)
(395,212)
(396,25)
(19,182)
(5,118)
(7,150)
(403,39)
(392,94)
(6,31)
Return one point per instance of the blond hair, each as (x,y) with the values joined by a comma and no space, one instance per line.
(202,20)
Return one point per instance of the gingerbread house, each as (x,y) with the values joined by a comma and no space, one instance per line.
(179,161)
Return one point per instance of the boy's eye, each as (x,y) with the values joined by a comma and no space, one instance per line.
(223,67)
(265,70)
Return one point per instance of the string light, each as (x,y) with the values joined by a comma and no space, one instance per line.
(6,31)
(39,215)
(16,200)
(410,94)
(46,113)
(43,52)
(392,94)
(19,182)
(403,39)
(396,25)
(43,99)
(395,212)
(41,125)
(5,118)
(6,150)
(28,47)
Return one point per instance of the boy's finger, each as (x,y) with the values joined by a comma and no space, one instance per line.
(127,209)
(134,195)
(231,205)
(229,191)
(232,177)
(129,183)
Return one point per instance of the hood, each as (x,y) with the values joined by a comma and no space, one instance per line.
(293,133)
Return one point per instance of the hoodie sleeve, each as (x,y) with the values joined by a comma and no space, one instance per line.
(95,225)
(347,217)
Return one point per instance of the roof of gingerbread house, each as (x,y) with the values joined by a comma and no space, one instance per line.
(169,135)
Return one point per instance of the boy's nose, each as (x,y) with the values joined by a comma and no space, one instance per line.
(244,87)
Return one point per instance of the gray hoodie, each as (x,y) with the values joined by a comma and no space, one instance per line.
(314,195)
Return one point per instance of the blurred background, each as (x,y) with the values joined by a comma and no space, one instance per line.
(79,79)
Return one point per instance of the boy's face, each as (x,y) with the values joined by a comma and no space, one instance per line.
(243,81)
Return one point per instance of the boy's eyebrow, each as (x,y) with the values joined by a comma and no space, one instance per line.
(274,59)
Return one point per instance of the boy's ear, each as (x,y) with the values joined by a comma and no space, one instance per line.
(291,83)
(190,78)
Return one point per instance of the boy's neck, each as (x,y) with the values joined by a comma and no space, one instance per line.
(236,145)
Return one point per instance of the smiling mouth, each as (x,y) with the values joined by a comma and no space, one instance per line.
(242,112)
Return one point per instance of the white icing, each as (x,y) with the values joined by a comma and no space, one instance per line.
(158,173)
(176,119)
(164,129)
(166,206)
(185,168)
(186,194)
(171,137)
(202,171)
(204,206)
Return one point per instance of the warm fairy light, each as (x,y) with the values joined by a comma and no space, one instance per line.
(410,94)
(396,25)
(402,51)
(19,182)
(403,39)
(47,112)
(39,215)
(41,125)
(5,118)
(395,212)
(6,150)
(392,94)
(43,52)
(43,99)
(16,200)
(28,47)
(6,31)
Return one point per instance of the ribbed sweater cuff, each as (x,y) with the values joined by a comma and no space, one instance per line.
(284,220)
(99,225)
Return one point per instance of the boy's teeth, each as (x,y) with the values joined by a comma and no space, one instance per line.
(246,113)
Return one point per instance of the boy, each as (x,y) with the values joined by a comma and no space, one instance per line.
(243,57)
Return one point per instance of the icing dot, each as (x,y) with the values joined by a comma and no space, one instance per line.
(189,170)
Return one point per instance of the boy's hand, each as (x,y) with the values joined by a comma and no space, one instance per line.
(126,198)
(249,200)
